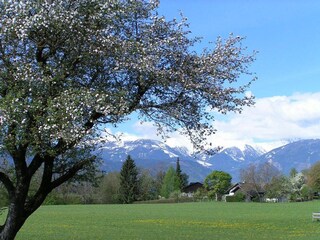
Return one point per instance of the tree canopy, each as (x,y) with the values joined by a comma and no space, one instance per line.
(258,177)
(170,183)
(217,183)
(313,176)
(68,66)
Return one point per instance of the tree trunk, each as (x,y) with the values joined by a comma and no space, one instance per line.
(15,220)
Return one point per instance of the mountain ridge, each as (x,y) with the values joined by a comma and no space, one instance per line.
(158,156)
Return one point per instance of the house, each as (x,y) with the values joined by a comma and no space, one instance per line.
(189,190)
(251,193)
(233,189)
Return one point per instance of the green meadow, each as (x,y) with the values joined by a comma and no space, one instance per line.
(210,220)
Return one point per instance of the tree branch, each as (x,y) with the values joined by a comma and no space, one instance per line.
(39,54)
(45,187)
(35,164)
(4,178)
(71,172)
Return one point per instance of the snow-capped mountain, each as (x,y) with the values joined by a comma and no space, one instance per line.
(300,155)
(233,159)
(143,149)
(157,156)
(151,154)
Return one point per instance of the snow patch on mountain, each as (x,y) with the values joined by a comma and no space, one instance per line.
(204,163)
(235,154)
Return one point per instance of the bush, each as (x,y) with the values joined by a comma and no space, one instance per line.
(201,195)
(239,197)
(176,195)
(166,200)
(58,199)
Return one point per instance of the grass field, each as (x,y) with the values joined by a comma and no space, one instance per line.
(194,221)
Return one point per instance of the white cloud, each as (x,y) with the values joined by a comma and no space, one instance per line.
(268,124)
(273,120)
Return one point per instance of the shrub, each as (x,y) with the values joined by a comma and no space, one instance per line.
(176,195)
(239,197)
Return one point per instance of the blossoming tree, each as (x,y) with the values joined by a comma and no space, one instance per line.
(68,66)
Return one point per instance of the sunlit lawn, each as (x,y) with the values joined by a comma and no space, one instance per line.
(209,220)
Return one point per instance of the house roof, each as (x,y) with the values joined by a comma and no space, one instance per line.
(192,187)
(234,188)
(246,187)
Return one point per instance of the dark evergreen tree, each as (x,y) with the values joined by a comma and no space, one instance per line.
(184,180)
(179,174)
(182,177)
(129,183)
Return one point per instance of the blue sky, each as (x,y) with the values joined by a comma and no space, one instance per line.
(286,35)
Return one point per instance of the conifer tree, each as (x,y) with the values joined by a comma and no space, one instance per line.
(179,174)
(182,177)
(129,183)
